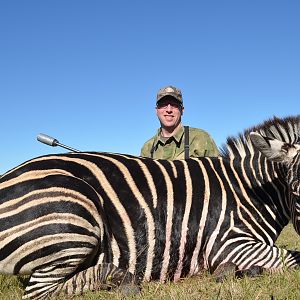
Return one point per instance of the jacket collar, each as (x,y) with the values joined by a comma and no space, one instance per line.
(177,136)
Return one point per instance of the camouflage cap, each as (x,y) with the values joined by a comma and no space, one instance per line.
(169,91)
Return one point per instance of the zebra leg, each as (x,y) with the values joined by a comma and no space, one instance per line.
(253,263)
(99,277)
(47,278)
(229,269)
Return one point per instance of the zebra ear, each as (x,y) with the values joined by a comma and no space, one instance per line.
(273,149)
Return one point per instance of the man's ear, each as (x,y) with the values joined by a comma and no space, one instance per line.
(273,149)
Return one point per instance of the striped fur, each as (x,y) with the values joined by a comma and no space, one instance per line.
(86,221)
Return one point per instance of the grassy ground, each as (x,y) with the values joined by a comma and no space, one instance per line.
(265,287)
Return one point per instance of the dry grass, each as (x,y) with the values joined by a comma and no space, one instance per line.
(267,286)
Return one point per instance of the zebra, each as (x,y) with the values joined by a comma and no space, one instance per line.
(91,220)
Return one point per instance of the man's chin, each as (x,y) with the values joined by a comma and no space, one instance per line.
(169,126)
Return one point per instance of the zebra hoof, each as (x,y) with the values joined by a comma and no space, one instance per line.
(251,272)
(224,271)
(127,290)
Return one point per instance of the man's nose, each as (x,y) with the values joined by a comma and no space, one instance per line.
(169,107)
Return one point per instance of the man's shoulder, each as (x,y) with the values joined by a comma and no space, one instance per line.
(201,136)
(198,132)
(202,143)
(150,141)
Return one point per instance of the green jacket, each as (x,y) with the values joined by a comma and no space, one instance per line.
(201,144)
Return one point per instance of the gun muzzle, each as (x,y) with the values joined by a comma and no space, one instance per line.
(50,141)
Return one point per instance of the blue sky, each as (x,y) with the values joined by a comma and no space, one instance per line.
(87,72)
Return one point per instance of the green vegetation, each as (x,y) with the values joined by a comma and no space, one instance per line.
(266,287)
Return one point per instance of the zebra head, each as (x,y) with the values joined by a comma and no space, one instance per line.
(289,155)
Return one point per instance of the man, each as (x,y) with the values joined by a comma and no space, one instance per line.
(173,140)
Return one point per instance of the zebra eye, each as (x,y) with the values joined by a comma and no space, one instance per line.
(286,147)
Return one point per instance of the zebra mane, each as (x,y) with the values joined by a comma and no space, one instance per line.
(284,129)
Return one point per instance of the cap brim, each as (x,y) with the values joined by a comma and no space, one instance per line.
(169,95)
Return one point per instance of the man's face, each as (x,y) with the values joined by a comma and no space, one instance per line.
(169,112)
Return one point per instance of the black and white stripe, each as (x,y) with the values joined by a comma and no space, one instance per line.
(85,221)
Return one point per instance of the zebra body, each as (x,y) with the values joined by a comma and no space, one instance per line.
(82,221)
